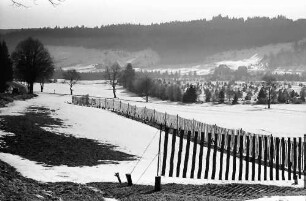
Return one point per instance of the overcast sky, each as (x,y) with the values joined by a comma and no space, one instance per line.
(103,12)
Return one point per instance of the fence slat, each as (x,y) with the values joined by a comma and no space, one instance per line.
(253,156)
(259,157)
(194,154)
(247,158)
(294,157)
(201,155)
(172,151)
(241,157)
(221,157)
(289,159)
(265,158)
(277,157)
(186,154)
(165,151)
(215,156)
(234,157)
(271,157)
(179,156)
(283,158)
(228,155)
(208,155)
(300,158)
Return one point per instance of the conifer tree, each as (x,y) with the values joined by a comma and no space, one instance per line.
(6,71)
(262,96)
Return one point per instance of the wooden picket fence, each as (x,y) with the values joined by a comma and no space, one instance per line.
(277,158)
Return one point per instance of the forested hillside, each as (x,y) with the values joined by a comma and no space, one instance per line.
(291,58)
(174,42)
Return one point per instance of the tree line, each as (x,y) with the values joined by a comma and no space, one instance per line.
(175,42)
(265,91)
(30,62)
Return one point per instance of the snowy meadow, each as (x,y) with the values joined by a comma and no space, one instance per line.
(133,137)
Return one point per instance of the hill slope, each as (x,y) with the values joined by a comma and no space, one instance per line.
(174,42)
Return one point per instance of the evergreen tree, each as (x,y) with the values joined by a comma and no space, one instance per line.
(6,71)
(221,96)
(207,95)
(177,93)
(262,96)
(281,98)
(303,94)
(127,77)
(274,96)
(235,100)
(170,92)
(286,96)
(190,96)
(248,95)
(215,97)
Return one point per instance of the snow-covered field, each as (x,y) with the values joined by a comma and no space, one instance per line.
(133,137)
(130,136)
(280,120)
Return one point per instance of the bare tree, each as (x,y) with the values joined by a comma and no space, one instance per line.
(269,83)
(46,74)
(112,74)
(32,62)
(143,86)
(73,77)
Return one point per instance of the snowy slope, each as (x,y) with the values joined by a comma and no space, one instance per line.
(253,63)
(130,136)
(280,120)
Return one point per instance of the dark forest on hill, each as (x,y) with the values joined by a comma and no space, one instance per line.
(175,42)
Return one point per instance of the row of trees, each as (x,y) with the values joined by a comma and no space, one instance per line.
(223,72)
(142,84)
(175,42)
(268,91)
(31,61)
(274,96)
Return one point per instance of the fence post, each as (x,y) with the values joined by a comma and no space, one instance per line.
(157,186)
(165,119)
(129,179)
(304,144)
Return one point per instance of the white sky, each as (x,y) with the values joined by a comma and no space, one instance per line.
(103,12)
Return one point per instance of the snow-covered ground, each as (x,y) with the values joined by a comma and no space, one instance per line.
(253,63)
(281,198)
(130,136)
(280,120)
(133,137)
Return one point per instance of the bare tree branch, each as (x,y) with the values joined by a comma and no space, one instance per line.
(20,3)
